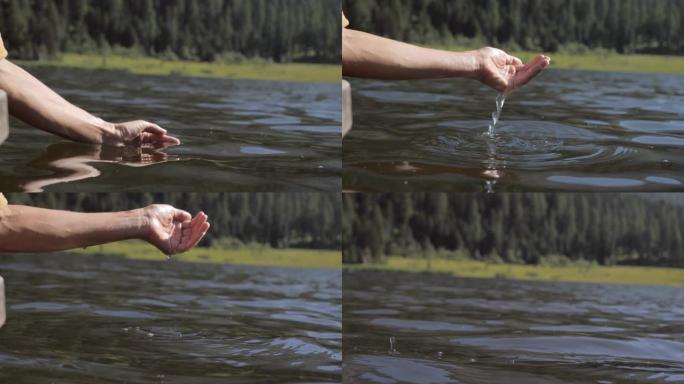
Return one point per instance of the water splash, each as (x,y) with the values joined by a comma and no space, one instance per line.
(393,346)
(492,173)
(500,101)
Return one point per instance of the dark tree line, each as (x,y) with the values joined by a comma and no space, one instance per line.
(281,220)
(522,228)
(623,25)
(282,30)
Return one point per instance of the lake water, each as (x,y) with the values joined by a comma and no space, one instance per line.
(450,330)
(567,130)
(89,320)
(238,135)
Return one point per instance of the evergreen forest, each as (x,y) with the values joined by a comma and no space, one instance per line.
(607,229)
(279,220)
(624,26)
(206,30)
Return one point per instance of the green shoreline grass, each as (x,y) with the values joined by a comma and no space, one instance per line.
(255,70)
(294,258)
(331,73)
(572,273)
(603,61)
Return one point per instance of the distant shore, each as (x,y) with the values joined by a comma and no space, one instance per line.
(568,273)
(249,70)
(603,61)
(248,255)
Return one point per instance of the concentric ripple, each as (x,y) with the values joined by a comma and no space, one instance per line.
(568,130)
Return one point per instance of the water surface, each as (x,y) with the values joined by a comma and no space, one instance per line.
(431,328)
(238,135)
(88,320)
(567,130)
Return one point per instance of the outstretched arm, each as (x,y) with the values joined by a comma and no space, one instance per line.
(28,229)
(368,56)
(34,103)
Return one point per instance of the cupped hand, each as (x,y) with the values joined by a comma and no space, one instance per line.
(507,73)
(142,133)
(174,231)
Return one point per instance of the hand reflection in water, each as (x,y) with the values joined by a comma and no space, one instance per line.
(70,162)
(493,174)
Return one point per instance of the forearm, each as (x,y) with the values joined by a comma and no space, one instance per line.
(27,229)
(34,103)
(369,56)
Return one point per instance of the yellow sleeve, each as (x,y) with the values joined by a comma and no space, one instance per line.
(345,22)
(3,201)
(3,51)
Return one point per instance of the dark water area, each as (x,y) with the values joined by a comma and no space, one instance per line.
(432,328)
(78,319)
(566,131)
(238,135)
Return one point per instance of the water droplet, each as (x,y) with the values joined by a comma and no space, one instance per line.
(393,346)
(500,101)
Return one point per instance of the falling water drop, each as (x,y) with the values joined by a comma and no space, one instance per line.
(500,101)
(393,346)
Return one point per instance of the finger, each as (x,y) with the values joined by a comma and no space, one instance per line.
(171,140)
(542,61)
(529,72)
(181,216)
(196,222)
(199,218)
(196,236)
(512,60)
(199,221)
(534,69)
(154,129)
(159,141)
(192,227)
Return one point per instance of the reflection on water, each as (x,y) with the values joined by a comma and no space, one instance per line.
(85,320)
(66,162)
(237,135)
(568,130)
(448,330)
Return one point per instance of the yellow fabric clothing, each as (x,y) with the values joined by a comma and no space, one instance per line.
(345,22)
(3,201)
(3,51)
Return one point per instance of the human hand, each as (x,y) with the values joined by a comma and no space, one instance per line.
(506,73)
(174,231)
(142,134)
